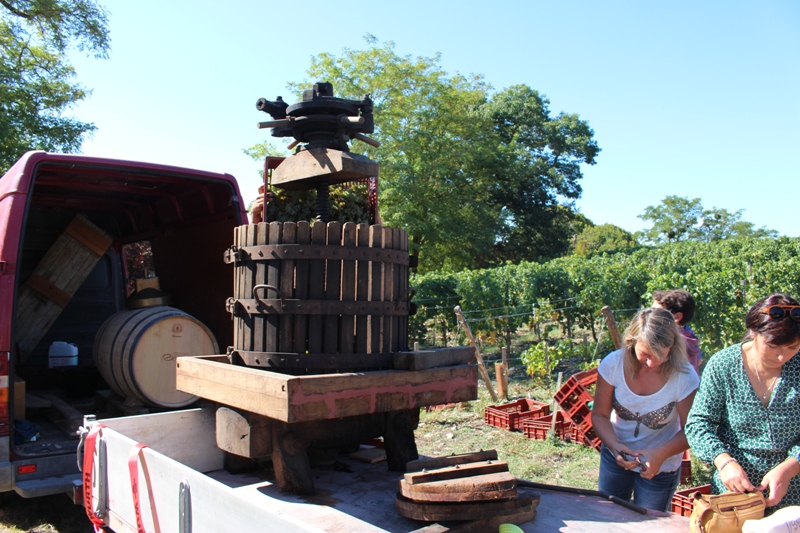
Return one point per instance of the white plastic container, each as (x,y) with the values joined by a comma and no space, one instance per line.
(62,354)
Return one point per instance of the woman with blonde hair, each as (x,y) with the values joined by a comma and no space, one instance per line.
(643,395)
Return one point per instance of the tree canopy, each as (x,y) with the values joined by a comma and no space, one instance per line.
(605,238)
(475,177)
(681,219)
(36,80)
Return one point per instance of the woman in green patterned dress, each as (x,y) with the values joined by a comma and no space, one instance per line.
(746,415)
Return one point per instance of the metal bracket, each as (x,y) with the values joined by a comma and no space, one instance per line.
(232,255)
(184,508)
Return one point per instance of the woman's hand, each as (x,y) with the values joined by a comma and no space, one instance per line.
(735,479)
(777,481)
(632,455)
(653,459)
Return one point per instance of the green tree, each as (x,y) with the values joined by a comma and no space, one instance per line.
(534,174)
(475,180)
(673,221)
(36,81)
(427,124)
(681,219)
(718,224)
(605,238)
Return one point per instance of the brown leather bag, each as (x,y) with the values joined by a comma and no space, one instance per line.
(725,513)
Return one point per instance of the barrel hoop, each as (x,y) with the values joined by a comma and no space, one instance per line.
(271,252)
(278,360)
(156,318)
(315,307)
(111,354)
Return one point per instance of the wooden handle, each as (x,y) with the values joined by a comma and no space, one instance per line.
(364,139)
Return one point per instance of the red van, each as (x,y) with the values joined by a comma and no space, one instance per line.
(155,220)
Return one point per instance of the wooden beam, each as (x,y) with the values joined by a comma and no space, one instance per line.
(324,396)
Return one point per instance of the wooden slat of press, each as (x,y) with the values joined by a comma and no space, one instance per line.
(237,281)
(333,281)
(451,460)
(316,289)
(273,279)
(286,339)
(404,290)
(388,292)
(375,289)
(260,236)
(248,277)
(347,323)
(362,290)
(301,288)
(396,245)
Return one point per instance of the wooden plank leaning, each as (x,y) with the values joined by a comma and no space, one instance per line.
(56,278)
(611,323)
(478,357)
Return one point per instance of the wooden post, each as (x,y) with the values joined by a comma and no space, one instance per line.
(611,324)
(501,386)
(478,358)
(504,353)
(555,405)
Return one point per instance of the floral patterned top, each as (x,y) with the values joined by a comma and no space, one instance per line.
(728,416)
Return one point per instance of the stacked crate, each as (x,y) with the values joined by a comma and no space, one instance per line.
(539,428)
(682,501)
(510,416)
(574,399)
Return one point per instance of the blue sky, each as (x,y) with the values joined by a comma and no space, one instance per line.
(687,98)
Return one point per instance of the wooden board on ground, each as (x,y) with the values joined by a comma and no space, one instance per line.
(444,511)
(499,486)
(369,455)
(456,472)
(57,277)
(67,418)
(451,460)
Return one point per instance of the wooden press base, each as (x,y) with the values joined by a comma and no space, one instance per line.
(290,446)
(325,396)
(283,417)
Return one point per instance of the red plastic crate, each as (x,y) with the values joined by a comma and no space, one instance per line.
(539,428)
(574,398)
(585,434)
(682,501)
(511,415)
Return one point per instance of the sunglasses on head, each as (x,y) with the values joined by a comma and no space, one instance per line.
(779,312)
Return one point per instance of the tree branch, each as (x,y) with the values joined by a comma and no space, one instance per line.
(15,11)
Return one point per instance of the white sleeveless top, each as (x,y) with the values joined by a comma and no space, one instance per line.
(645,422)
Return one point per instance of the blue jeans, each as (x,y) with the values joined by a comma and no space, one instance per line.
(653,493)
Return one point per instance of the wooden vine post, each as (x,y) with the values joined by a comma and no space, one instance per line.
(611,324)
(478,357)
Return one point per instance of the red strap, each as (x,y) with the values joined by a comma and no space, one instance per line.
(133,467)
(88,462)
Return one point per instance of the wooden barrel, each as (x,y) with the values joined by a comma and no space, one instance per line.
(314,298)
(135,352)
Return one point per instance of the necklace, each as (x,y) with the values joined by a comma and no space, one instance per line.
(758,375)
